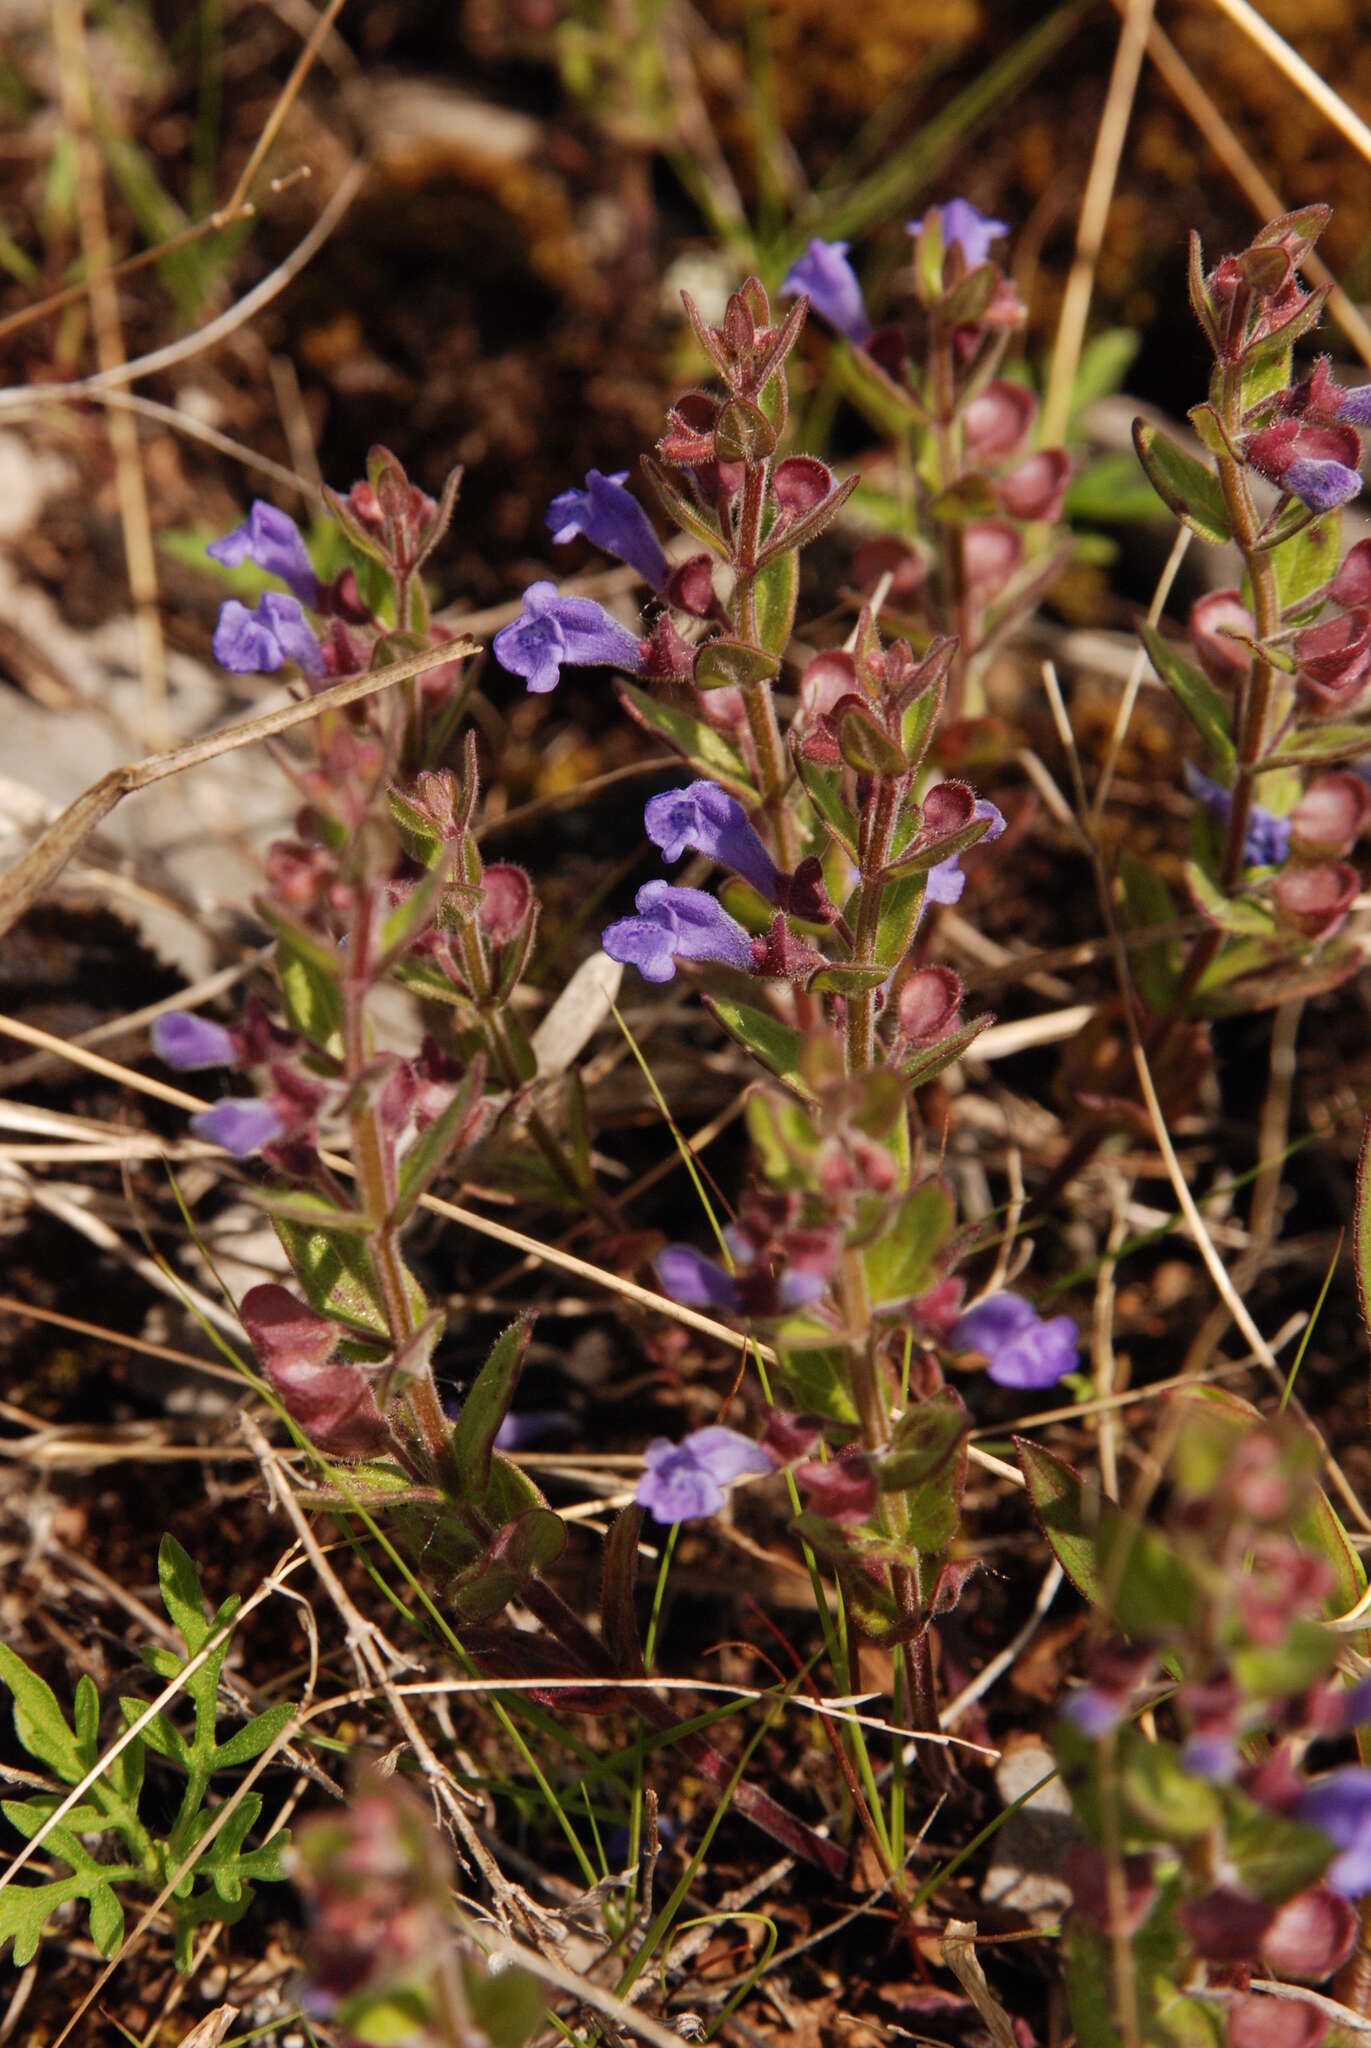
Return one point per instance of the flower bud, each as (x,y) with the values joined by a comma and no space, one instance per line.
(506,901)
(928,1004)
(1037,488)
(1352,584)
(1312,1935)
(991,552)
(1224,660)
(1330,815)
(995,423)
(1316,900)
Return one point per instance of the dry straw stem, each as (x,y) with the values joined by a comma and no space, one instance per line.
(470,1219)
(1099,190)
(140,560)
(1300,74)
(18,398)
(49,854)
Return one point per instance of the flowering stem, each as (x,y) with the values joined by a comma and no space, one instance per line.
(758,703)
(950,547)
(878,828)
(373,1156)
(1255,697)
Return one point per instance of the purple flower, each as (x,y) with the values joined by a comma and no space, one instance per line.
(946,881)
(688,1277)
(533,1426)
(258,642)
(1267,843)
(966,228)
(186,1042)
(1093,1711)
(1321,485)
(272,540)
(826,275)
(676,924)
(707,819)
(685,1481)
(1340,1804)
(613,519)
(1354,405)
(1212,1755)
(1023,1349)
(552,631)
(242,1124)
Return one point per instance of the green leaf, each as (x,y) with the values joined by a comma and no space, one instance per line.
(1170,1802)
(86,1719)
(727,664)
(930,1060)
(697,742)
(682,508)
(1070,1515)
(1318,745)
(866,745)
(900,1263)
(179,1579)
(106,1919)
(817,1381)
(927,1465)
(249,1741)
(161,1735)
(38,1720)
(1272,1856)
(521,1550)
(778,1046)
(777,588)
(1088,1968)
(1104,363)
(484,1409)
(334,1267)
(902,905)
(506,2005)
(1148,902)
(1188,487)
(1235,914)
(940,850)
(823,787)
(1108,491)
(1308,559)
(1195,694)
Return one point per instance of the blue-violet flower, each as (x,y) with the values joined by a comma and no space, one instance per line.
(946,881)
(826,275)
(612,519)
(272,540)
(966,228)
(554,631)
(185,1041)
(1023,1349)
(706,819)
(1267,842)
(685,1481)
(242,1124)
(697,1282)
(676,924)
(1340,1804)
(261,641)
